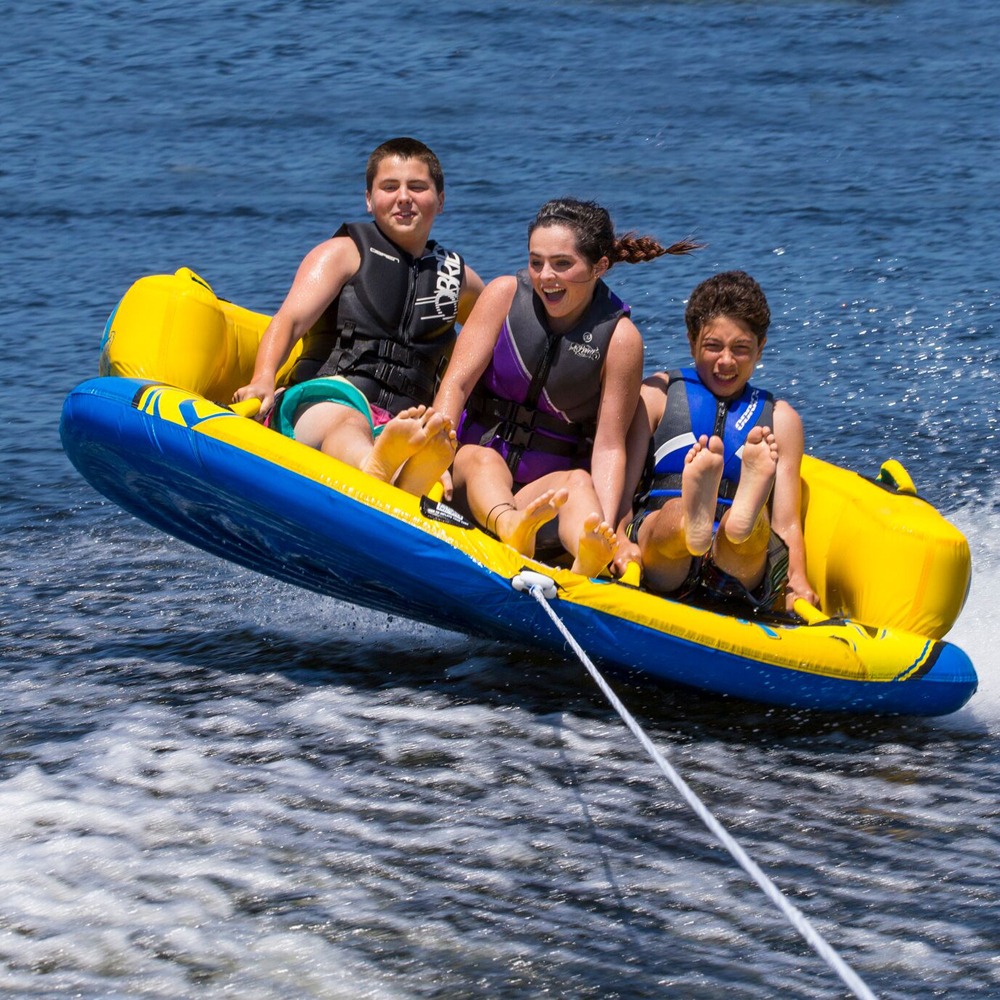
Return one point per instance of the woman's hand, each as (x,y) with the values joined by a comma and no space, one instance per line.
(263,391)
(798,589)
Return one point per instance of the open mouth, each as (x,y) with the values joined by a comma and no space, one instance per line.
(553,295)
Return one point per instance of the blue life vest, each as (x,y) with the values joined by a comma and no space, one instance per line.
(690,411)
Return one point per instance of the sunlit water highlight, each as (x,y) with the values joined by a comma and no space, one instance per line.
(213,785)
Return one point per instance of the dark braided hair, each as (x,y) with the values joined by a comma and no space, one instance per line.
(595,233)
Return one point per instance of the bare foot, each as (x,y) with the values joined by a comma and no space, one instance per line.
(402,437)
(598,544)
(518,527)
(760,459)
(425,468)
(700,492)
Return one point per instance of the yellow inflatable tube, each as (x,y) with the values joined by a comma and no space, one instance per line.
(881,556)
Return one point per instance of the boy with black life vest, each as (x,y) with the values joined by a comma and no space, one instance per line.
(548,371)
(703,445)
(377,304)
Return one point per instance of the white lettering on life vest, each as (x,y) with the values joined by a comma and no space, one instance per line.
(585,351)
(749,411)
(388,256)
(447,287)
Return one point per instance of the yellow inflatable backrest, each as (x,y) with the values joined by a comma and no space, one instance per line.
(174,329)
(881,557)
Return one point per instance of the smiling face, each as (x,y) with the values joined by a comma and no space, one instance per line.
(404,201)
(725,354)
(562,277)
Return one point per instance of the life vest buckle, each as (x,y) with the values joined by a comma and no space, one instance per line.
(516,435)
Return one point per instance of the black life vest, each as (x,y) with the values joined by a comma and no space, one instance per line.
(391,329)
(541,391)
(690,411)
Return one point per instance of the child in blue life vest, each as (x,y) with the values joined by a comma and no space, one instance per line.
(705,451)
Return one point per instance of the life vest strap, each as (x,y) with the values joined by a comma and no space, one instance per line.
(672,481)
(518,424)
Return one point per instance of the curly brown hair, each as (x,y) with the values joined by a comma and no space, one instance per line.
(733,294)
(406,149)
(595,233)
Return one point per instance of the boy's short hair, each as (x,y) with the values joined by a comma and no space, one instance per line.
(406,149)
(732,293)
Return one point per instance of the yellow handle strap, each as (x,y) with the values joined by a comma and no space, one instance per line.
(893,474)
(246,408)
(811,615)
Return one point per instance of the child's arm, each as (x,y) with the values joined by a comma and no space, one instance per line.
(318,281)
(786,514)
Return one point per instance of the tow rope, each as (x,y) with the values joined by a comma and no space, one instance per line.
(542,588)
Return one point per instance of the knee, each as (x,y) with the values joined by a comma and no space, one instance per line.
(579,479)
(475,456)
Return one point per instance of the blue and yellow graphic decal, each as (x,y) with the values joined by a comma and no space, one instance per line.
(177,406)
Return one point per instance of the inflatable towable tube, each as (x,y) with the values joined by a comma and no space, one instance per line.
(153,435)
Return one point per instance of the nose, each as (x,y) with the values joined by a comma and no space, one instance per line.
(546,272)
(403,194)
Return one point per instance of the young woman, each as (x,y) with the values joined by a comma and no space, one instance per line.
(548,370)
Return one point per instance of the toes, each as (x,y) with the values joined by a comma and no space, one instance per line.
(715,445)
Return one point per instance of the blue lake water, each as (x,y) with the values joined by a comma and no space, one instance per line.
(213,785)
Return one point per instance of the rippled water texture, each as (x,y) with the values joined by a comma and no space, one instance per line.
(212,785)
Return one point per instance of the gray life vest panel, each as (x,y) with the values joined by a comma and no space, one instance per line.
(391,329)
(542,390)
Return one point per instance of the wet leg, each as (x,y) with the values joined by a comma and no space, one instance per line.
(665,557)
(336,430)
(482,477)
(583,531)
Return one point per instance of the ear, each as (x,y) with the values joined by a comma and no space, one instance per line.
(440,202)
(601,267)
(760,347)
(693,344)
(368,202)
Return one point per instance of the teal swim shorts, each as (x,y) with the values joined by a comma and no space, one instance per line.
(329,389)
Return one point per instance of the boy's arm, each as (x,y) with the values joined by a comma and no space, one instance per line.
(322,274)
(472,288)
(786,514)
